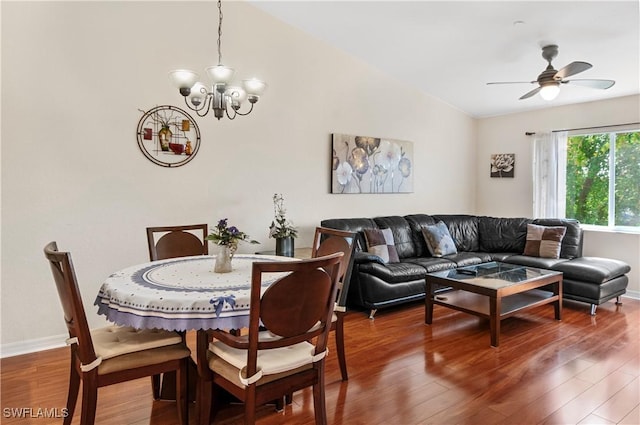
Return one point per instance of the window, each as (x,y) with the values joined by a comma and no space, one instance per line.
(602,178)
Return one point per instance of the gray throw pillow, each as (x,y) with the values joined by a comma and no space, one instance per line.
(439,240)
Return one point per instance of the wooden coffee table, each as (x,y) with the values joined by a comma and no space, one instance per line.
(494,291)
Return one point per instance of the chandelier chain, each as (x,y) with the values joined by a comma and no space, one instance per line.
(219,32)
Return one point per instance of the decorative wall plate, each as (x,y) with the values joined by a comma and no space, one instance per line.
(168,136)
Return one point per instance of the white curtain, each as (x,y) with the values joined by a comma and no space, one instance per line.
(549,166)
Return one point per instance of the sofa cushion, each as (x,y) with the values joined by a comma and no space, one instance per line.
(417,222)
(544,241)
(432,264)
(502,234)
(439,240)
(380,243)
(463,259)
(592,269)
(539,262)
(463,230)
(394,272)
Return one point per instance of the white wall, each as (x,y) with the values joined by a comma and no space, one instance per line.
(74,75)
(513,197)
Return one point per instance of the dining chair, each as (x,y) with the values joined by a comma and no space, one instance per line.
(177,241)
(171,242)
(262,366)
(327,241)
(112,354)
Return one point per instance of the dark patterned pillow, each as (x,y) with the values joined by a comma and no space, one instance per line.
(544,241)
(439,240)
(380,242)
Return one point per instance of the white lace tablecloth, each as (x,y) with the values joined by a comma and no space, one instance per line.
(182,294)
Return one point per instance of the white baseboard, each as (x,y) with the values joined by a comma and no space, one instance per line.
(57,341)
(32,345)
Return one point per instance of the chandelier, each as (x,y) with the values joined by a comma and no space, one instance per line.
(220,96)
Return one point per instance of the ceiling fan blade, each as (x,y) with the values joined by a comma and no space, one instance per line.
(531,93)
(595,84)
(572,69)
(513,82)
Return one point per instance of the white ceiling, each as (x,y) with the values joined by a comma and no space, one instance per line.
(451,49)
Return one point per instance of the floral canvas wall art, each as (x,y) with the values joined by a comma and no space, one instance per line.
(363,164)
(503,164)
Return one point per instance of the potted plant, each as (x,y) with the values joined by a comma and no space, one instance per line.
(227,237)
(281,229)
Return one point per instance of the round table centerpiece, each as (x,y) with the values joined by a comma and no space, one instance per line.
(227,237)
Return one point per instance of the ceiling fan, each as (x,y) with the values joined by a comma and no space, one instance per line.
(549,80)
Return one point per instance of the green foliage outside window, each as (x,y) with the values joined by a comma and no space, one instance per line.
(588,176)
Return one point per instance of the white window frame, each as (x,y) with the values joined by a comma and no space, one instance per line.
(612,132)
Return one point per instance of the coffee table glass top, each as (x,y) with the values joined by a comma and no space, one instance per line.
(494,275)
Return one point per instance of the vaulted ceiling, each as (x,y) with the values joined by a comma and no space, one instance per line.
(451,49)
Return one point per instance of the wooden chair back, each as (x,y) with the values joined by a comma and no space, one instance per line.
(328,241)
(298,306)
(74,316)
(177,241)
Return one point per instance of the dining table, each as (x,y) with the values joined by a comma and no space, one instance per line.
(182,294)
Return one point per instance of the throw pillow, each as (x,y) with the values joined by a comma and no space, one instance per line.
(439,240)
(380,242)
(544,241)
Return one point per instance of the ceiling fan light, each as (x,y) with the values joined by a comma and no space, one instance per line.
(550,91)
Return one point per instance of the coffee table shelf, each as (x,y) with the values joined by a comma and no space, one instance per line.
(478,305)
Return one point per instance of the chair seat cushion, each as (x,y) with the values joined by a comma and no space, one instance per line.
(113,341)
(144,358)
(231,373)
(273,361)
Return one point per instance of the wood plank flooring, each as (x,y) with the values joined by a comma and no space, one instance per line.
(582,370)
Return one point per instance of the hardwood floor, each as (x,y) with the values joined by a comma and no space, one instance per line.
(582,370)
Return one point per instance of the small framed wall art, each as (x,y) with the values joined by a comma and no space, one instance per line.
(503,164)
(168,136)
(362,164)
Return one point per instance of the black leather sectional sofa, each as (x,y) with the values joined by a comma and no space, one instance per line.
(478,239)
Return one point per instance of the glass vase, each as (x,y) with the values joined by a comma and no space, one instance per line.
(223,259)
